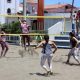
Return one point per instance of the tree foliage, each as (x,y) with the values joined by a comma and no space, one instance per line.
(12,28)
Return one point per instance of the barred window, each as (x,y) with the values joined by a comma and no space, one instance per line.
(9,1)
(8,11)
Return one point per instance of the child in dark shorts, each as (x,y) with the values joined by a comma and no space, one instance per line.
(25,30)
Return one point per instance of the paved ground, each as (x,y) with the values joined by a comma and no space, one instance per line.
(16,66)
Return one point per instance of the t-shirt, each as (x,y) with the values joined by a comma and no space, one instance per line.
(73,43)
(47,49)
(3,38)
(25,28)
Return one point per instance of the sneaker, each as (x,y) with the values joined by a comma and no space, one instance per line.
(48,73)
(51,73)
(67,62)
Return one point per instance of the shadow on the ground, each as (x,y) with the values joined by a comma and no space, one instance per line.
(31,51)
(71,64)
(59,60)
(12,57)
(64,55)
(22,53)
(43,74)
(39,74)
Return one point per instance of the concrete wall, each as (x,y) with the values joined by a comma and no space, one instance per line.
(55,29)
(4,5)
(52,21)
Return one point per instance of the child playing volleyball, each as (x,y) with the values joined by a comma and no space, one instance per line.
(4,44)
(74,50)
(47,53)
(25,30)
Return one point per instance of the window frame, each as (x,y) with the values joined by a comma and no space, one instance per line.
(8,1)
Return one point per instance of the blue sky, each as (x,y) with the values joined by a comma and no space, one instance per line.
(76,2)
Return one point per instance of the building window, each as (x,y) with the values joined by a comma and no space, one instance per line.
(8,11)
(9,1)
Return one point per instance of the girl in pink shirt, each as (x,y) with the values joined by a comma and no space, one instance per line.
(25,30)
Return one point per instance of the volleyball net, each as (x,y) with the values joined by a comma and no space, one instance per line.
(10,21)
(51,25)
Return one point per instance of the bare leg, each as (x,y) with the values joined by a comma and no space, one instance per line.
(75,55)
(2,51)
(50,63)
(6,46)
(76,58)
(24,42)
(69,56)
(28,41)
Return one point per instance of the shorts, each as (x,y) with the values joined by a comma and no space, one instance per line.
(73,51)
(26,37)
(3,44)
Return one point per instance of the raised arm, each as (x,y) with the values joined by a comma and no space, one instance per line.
(20,20)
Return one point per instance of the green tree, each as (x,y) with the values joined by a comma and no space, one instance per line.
(13,27)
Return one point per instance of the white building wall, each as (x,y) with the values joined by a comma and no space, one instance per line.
(66,20)
(4,5)
(55,29)
(14,5)
(2,10)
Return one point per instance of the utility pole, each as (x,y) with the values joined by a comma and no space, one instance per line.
(73,18)
(40,13)
(24,9)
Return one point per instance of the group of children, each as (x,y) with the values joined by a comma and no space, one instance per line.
(47,48)
(47,51)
